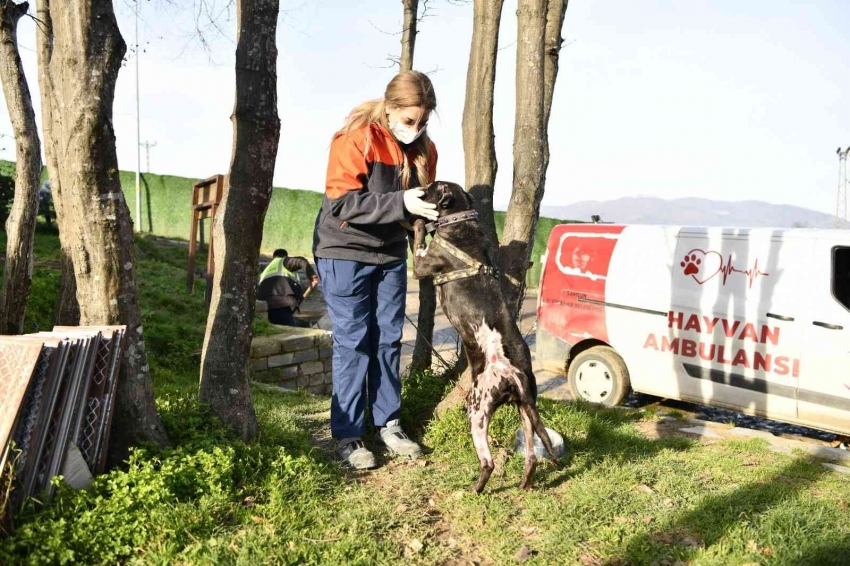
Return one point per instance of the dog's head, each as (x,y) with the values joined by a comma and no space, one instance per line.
(450,198)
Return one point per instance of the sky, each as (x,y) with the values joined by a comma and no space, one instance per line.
(722,99)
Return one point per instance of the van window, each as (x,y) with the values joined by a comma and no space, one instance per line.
(841,275)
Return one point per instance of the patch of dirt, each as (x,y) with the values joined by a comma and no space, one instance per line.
(680,536)
(666,427)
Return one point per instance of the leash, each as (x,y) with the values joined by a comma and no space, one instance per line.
(430,346)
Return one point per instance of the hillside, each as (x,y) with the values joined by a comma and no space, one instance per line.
(693,212)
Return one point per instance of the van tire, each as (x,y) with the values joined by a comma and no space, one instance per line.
(599,375)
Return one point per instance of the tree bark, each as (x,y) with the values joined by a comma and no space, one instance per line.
(427,292)
(479,146)
(408,34)
(425,325)
(553,42)
(479,138)
(67,311)
(80,50)
(238,225)
(20,226)
(529,140)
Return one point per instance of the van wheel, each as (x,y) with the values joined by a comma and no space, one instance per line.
(599,375)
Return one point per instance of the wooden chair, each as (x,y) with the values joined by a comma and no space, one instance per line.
(206,197)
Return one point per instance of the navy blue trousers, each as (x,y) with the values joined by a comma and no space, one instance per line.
(282,316)
(366,306)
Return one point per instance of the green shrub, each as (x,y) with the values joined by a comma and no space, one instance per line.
(178,498)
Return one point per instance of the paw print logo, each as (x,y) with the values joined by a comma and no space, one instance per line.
(691,264)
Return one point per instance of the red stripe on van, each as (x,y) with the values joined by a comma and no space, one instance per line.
(578,257)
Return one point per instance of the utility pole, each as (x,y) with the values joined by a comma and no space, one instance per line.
(138,133)
(148,145)
(841,195)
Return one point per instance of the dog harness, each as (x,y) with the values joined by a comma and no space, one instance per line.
(475,266)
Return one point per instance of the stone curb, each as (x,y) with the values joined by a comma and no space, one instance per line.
(783,445)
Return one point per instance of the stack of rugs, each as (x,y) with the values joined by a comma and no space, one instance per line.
(57,393)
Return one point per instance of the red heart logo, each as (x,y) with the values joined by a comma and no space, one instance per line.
(702,265)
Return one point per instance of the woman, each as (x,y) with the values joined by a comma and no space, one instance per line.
(378,162)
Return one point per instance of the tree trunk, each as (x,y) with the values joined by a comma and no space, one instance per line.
(238,225)
(67,311)
(553,41)
(67,308)
(427,292)
(20,226)
(479,147)
(408,34)
(425,325)
(80,50)
(479,138)
(529,139)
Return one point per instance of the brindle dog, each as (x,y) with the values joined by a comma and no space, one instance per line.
(496,352)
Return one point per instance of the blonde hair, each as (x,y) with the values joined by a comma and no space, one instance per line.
(407,89)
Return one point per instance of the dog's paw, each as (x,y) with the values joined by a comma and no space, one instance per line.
(422,252)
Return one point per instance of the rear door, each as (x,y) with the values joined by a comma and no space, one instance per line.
(824,394)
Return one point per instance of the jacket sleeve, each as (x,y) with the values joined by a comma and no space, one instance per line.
(297,263)
(432,163)
(347,176)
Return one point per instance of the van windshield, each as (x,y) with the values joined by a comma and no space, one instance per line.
(841,276)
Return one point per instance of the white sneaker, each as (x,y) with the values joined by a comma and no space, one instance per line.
(393,438)
(353,452)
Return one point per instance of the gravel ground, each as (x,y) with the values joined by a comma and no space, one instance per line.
(718,415)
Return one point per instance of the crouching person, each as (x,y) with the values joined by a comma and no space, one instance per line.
(281,289)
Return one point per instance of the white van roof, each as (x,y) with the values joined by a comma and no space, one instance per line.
(807,233)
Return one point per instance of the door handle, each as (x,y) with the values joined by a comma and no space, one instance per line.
(780,317)
(829,326)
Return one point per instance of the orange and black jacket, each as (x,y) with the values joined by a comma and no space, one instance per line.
(363,205)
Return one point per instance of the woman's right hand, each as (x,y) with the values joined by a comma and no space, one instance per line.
(414,204)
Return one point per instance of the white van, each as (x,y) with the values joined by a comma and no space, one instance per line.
(756,320)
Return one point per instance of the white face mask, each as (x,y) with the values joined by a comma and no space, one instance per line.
(405,134)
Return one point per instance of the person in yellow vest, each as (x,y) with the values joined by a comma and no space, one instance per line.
(281,289)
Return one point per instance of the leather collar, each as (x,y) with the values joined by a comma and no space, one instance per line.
(454,218)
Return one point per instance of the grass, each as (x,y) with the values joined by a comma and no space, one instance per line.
(617,498)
